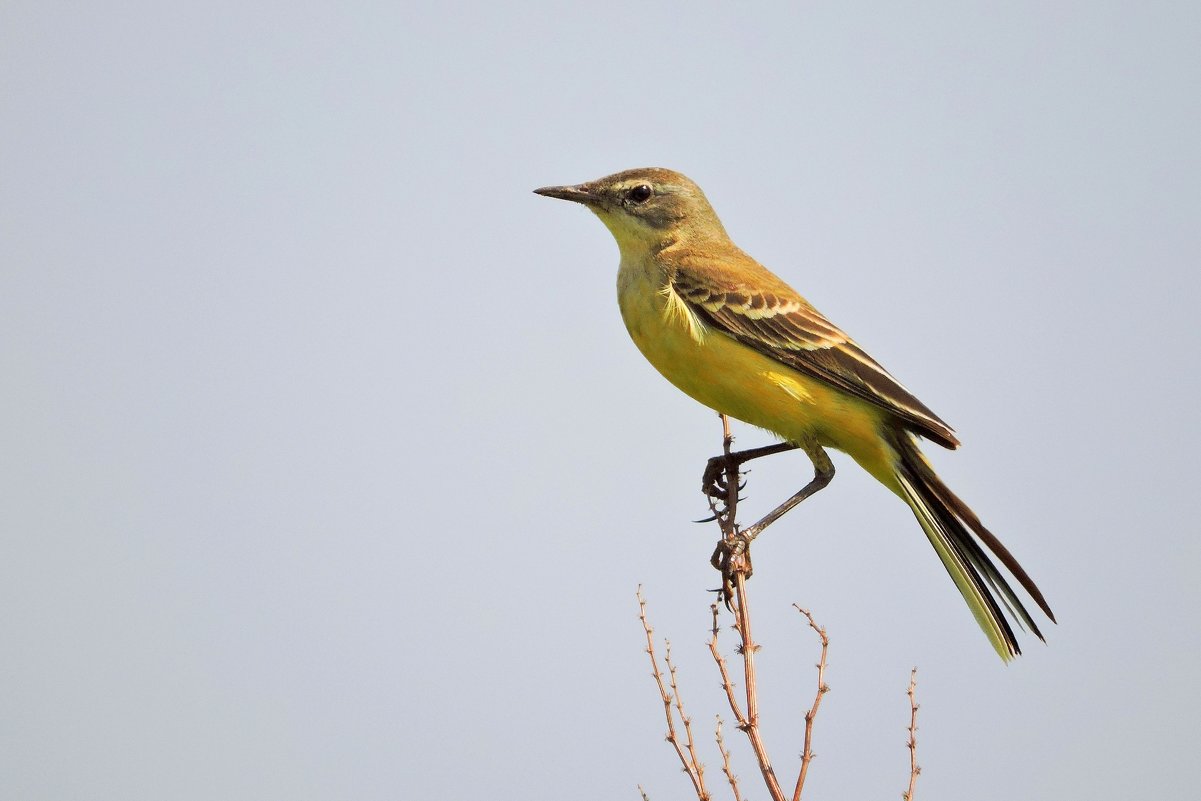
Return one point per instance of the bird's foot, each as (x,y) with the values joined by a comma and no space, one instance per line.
(714,481)
(715,485)
(731,556)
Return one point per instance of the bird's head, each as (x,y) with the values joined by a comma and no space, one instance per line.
(648,207)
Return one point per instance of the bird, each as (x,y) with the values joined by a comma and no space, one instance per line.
(735,337)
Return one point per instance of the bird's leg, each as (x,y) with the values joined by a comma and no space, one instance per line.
(823,473)
(721,485)
(733,552)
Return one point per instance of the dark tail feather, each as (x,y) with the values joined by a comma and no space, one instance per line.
(950,525)
(961,510)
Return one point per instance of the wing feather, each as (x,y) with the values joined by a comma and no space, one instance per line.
(776,321)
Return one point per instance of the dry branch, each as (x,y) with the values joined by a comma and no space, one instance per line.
(747,647)
(733,559)
(692,766)
(914,768)
(822,689)
(726,767)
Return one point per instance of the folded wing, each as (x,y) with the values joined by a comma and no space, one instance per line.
(774,320)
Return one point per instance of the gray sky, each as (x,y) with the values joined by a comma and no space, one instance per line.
(329,472)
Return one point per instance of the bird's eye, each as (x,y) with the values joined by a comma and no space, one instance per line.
(641,193)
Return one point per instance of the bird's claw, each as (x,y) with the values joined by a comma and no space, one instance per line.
(732,555)
(713,480)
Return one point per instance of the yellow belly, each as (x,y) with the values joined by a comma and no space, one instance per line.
(731,378)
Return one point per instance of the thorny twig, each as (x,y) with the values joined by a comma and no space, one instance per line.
(679,701)
(735,567)
(914,768)
(726,767)
(822,689)
(728,685)
(692,766)
(747,647)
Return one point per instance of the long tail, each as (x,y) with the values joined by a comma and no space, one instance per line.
(950,525)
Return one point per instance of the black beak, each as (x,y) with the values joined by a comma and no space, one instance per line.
(579,193)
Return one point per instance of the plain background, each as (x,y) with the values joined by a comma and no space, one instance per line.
(327,470)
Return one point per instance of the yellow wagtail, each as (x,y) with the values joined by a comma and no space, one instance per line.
(732,335)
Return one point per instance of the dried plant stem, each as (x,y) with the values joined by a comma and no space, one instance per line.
(692,766)
(725,762)
(747,647)
(822,689)
(914,768)
(687,721)
(722,668)
(732,558)
(736,568)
